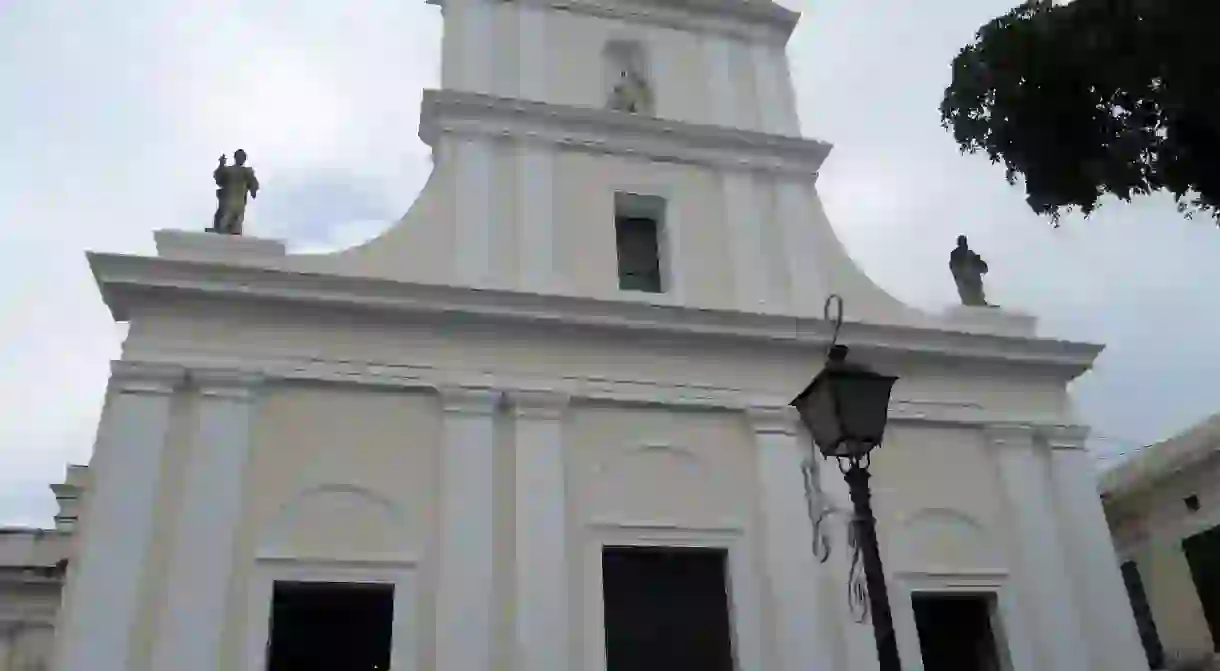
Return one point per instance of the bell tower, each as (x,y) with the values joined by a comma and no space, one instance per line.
(636,150)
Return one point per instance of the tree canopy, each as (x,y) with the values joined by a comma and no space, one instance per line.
(1094,98)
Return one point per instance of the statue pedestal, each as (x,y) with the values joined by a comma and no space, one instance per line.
(991,321)
(215,247)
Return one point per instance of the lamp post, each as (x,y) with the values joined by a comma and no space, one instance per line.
(845,409)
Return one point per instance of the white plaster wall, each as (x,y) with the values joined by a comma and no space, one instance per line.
(1148,528)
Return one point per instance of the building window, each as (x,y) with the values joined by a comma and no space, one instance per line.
(639,228)
(316,625)
(1143,615)
(666,608)
(955,631)
(1203,555)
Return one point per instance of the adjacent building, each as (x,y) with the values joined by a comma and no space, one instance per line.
(33,563)
(1163,505)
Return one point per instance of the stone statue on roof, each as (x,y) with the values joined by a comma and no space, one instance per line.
(631,93)
(968,269)
(233,183)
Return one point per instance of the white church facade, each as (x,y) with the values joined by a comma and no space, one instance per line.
(560,384)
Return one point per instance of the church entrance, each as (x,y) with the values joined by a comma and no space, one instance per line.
(317,626)
(666,608)
(955,632)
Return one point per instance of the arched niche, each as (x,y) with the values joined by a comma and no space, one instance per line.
(944,540)
(628,78)
(662,483)
(338,521)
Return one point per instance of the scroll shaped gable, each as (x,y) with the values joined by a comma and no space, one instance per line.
(338,521)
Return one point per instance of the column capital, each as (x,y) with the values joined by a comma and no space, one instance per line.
(544,404)
(1008,434)
(138,377)
(228,383)
(470,400)
(1064,436)
(773,419)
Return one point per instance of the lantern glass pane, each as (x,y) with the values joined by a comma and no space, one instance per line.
(864,407)
(818,413)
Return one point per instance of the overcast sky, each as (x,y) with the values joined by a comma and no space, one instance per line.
(114,113)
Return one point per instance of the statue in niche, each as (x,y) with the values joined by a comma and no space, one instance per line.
(631,93)
(968,269)
(233,183)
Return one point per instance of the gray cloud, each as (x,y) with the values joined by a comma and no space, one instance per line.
(114,117)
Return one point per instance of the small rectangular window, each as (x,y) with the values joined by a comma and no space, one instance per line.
(638,226)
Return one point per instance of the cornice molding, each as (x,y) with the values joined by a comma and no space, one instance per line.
(460,395)
(466,400)
(612,132)
(1064,437)
(227,383)
(537,404)
(1010,434)
(773,420)
(748,19)
(132,377)
(132,282)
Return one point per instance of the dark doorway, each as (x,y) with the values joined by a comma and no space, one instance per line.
(325,626)
(1143,615)
(666,609)
(955,632)
(1203,555)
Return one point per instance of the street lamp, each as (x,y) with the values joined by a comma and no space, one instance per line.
(845,409)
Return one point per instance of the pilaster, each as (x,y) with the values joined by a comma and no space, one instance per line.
(102,600)
(465,598)
(192,618)
(473,214)
(543,634)
(747,250)
(803,636)
(1092,561)
(536,240)
(1025,474)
